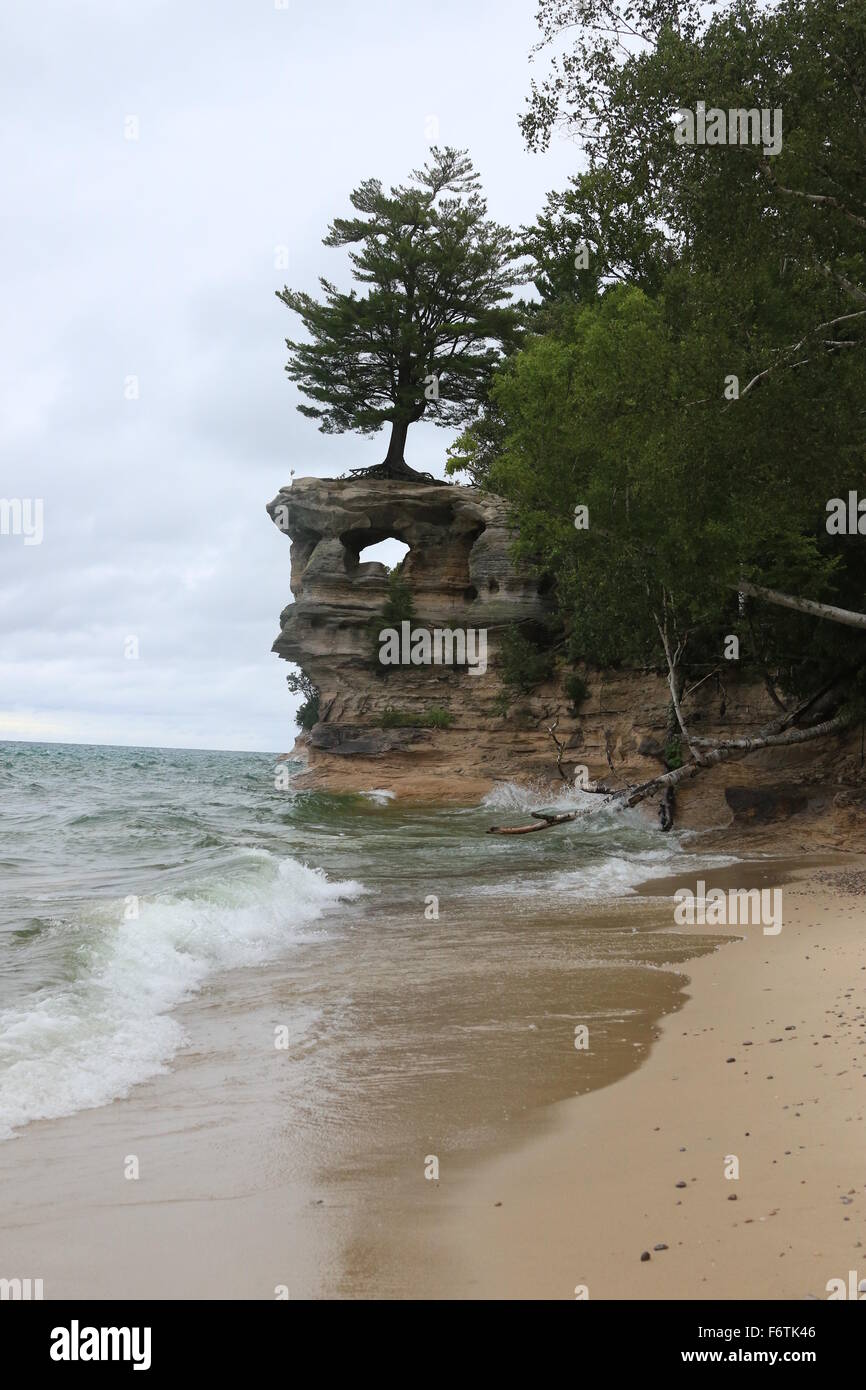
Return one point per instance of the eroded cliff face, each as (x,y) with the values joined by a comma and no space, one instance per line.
(462,575)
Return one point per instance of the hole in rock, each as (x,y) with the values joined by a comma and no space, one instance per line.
(390,553)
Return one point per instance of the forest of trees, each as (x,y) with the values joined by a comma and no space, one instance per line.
(692,369)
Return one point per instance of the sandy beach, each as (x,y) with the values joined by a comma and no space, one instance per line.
(766,1062)
(755,1051)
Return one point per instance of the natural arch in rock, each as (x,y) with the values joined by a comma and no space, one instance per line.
(389,552)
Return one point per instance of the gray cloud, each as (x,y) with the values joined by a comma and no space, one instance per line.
(155,258)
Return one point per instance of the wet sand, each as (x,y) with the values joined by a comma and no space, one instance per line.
(306,1168)
(766,1063)
(536,1193)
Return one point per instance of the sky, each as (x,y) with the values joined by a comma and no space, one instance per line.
(162,162)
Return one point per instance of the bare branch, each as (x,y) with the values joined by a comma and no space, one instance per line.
(844,283)
(672,659)
(820,199)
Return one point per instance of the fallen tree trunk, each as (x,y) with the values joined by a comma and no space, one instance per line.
(542,822)
(733,750)
(802,605)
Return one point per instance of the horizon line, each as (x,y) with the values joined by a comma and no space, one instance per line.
(140,747)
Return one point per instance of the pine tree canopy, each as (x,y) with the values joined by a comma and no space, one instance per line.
(423,336)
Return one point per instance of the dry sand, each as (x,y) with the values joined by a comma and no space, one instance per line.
(765,1062)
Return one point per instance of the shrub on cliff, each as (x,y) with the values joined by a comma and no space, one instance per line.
(524,661)
(399,608)
(399,605)
(576,689)
(307,713)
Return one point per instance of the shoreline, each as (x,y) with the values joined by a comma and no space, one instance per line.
(766,1063)
(575,1190)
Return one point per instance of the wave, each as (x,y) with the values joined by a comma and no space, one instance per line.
(531,796)
(88,1041)
(598,816)
(537,796)
(613,876)
(379,796)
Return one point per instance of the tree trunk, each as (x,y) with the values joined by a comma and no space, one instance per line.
(396,445)
(802,605)
(394,464)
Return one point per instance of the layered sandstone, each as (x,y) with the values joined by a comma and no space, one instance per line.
(462,574)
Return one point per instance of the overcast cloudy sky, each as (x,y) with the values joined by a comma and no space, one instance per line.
(154,258)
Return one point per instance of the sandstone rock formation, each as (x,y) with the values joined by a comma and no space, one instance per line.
(462,574)
(458,568)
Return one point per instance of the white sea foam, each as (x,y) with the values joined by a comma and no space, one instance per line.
(615,876)
(597,814)
(511,796)
(86,1042)
(380,796)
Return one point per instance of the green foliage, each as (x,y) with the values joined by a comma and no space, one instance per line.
(524,662)
(576,689)
(673,753)
(433,718)
(474,451)
(399,607)
(705,264)
(307,714)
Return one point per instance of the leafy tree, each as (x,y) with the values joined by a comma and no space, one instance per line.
(684,498)
(630,65)
(739,266)
(424,337)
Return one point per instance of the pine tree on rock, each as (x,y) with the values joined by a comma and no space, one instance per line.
(424,337)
